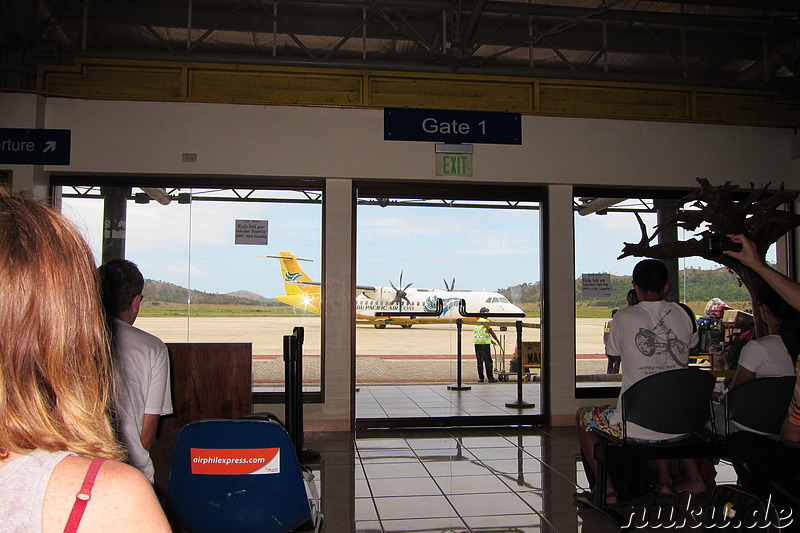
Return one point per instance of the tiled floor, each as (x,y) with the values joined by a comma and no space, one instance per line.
(479,480)
(437,400)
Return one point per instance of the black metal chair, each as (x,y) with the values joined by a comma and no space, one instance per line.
(760,404)
(675,402)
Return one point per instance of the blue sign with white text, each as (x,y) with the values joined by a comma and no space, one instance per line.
(19,146)
(451,126)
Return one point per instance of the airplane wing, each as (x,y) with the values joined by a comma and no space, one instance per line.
(317,284)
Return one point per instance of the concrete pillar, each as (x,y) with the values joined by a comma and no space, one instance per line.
(115,214)
(337,413)
(558,314)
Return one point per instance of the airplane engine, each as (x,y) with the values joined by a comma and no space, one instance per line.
(384,294)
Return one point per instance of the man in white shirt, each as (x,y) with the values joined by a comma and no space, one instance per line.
(650,337)
(141,364)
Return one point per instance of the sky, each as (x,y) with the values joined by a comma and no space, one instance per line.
(483,249)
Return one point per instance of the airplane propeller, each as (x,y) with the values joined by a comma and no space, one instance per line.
(452,285)
(400,294)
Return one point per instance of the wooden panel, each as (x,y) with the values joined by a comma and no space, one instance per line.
(614,101)
(250,86)
(261,84)
(114,81)
(209,380)
(397,91)
(732,108)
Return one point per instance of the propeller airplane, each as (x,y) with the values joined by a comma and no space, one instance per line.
(381,305)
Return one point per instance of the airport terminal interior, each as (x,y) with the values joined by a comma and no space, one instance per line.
(323,195)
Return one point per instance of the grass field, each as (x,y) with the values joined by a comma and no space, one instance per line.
(156,309)
(167,309)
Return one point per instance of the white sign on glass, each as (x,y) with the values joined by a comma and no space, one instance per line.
(251,231)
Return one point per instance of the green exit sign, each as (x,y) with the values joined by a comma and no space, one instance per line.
(454,165)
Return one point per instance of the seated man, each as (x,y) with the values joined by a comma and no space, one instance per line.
(661,319)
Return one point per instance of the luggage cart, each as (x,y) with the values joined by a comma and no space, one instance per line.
(499,357)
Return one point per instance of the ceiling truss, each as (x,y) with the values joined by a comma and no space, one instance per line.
(710,42)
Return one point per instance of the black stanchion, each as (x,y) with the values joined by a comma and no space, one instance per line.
(458,385)
(520,403)
(290,402)
(293,363)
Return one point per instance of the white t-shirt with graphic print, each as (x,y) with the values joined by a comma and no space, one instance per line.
(650,337)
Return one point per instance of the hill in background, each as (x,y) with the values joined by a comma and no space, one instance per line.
(161,291)
(696,285)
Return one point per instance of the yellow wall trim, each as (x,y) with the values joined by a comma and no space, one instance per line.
(269,85)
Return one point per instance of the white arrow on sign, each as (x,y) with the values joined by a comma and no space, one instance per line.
(50,146)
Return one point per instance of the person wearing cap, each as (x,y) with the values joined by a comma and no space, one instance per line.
(484,337)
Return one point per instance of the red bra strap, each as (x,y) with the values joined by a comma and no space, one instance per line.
(83,496)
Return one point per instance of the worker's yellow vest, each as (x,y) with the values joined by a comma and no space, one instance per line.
(481,334)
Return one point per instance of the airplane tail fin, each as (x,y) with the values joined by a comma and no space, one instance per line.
(301,291)
(295,281)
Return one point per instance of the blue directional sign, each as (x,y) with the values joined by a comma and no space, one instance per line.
(19,146)
(451,126)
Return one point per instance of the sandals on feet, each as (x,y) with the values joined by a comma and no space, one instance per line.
(665,498)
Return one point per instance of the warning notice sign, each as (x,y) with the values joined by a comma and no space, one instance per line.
(236,462)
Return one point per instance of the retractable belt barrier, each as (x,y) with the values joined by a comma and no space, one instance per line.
(293,373)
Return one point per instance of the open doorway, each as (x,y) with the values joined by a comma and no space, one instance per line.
(416,362)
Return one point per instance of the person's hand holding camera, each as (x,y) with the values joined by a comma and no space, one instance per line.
(747,254)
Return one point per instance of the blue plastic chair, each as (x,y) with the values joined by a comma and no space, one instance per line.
(239,476)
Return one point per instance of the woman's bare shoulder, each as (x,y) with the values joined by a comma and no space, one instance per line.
(122,499)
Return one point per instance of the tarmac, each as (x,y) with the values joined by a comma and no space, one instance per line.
(424,353)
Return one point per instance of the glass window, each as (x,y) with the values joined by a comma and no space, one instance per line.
(212,263)
(599,240)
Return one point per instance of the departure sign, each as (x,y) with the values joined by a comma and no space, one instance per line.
(450,126)
(20,146)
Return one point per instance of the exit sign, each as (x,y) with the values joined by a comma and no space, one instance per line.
(454,165)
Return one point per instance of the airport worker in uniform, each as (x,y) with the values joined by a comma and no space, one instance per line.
(484,337)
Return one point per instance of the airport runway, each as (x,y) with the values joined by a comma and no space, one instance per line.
(424,353)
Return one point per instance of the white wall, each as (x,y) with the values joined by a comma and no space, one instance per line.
(25,111)
(248,140)
(111,137)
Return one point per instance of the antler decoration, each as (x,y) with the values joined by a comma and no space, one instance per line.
(758,216)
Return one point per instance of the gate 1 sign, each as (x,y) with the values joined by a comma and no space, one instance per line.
(251,232)
(595,285)
(451,126)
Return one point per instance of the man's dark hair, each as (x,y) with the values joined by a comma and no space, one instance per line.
(120,283)
(650,275)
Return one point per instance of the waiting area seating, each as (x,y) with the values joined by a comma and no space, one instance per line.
(679,401)
(759,405)
(676,401)
(240,476)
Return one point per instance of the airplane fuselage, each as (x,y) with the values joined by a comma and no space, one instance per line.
(424,301)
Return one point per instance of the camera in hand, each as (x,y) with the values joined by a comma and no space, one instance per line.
(720,243)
